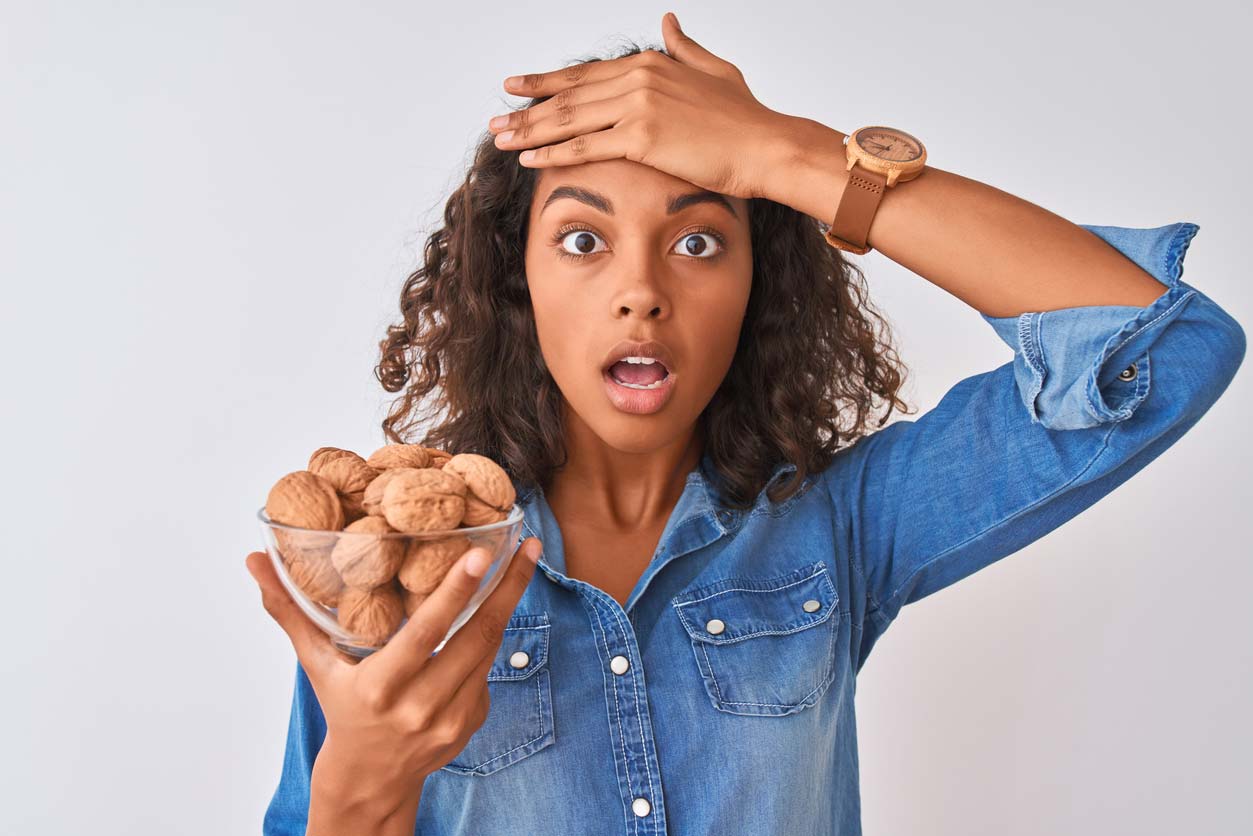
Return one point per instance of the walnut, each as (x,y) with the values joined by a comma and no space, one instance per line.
(317,577)
(439,458)
(372,499)
(304,500)
(371,615)
(322,455)
(425,499)
(489,491)
(350,476)
(399,455)
(412,600)
(426,562)
(310,546)
(366,561)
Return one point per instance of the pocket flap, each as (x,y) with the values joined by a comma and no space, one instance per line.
(734,609)
(524,634)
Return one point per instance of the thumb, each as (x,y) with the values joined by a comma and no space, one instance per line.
(686,51)
(313,647)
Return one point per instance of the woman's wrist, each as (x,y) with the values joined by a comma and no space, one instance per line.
(808,167)
(342,800)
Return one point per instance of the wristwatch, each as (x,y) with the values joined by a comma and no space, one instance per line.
(878,158)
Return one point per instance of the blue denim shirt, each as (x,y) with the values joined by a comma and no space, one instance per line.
(719,700)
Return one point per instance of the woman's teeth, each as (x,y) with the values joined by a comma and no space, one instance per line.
(654,385)
(646,361)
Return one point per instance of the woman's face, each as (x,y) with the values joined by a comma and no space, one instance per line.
(617,250)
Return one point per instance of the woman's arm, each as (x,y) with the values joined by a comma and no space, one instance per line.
(996,252)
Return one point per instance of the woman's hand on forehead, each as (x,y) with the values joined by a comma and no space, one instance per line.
(689,114)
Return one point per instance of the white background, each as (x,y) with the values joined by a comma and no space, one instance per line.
(206,214)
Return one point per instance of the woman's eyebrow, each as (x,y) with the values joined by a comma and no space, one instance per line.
(674,204)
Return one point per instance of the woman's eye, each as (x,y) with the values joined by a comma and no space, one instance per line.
(577,243)
(582,241)
(691,244)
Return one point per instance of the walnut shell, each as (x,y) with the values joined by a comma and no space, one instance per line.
(354,506)
(350,476)
(322,455)
(439,458)
(399,455)
(305,500)
(372,499)
(489,491)
(372,615)
(318,578)
(412,600)
(368,561)
(425,499)
(309,546)
(426,562)
(480,513)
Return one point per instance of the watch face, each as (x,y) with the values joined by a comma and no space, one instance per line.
(889,144)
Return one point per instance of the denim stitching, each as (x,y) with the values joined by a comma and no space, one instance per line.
(1185,297)
(543,659)
(822,567)
(827,676)
(1106,413)
(540,704)
(615,719)
(1173,258)
(652,792)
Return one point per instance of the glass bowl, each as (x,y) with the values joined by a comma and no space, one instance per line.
(303,559)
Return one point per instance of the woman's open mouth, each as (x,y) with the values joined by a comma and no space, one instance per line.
(638,385)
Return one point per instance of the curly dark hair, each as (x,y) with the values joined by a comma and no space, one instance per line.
(808,372)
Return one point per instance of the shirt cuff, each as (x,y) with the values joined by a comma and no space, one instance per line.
(1086,366)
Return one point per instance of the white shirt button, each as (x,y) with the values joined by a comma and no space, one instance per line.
(810,606)
(520,659)
(714,626)
(641,807)
(619,664)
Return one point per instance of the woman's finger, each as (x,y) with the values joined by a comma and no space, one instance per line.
(586,118)
(562,108)
(471,651)
(539,85)
(686,51)
(313,647)
(602,145)
(410,649)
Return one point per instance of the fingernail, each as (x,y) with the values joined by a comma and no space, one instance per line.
(533,552)
(498,121)
(526,156)
(504,136)
(477,563)
(513,81)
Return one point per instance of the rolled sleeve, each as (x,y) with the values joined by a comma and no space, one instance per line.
(1011,454)
(1085,366)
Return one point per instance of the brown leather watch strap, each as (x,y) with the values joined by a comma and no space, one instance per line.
(858,203)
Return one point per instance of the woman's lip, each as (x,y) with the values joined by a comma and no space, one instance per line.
(638,401)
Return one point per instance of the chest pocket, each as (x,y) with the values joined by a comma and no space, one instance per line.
(520,721)
(764,646)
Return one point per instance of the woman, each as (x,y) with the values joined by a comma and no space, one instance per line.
(720,550)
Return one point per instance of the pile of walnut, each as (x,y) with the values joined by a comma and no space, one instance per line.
(375,582)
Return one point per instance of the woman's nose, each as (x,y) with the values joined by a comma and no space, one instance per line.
(642,291)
